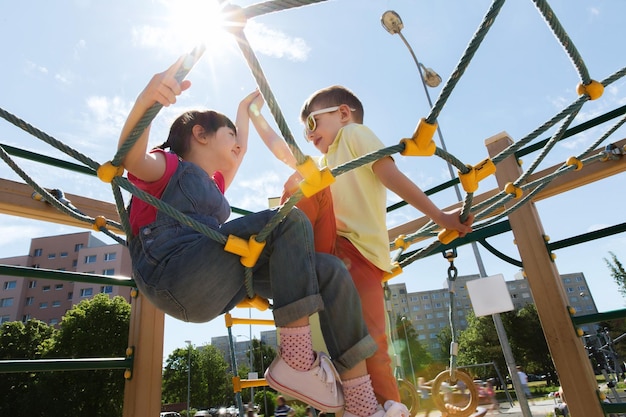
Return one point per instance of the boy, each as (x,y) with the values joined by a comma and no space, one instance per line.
(356,206)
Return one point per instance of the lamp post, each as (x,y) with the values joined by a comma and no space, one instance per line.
(408,350)
(392,22)
(188,342)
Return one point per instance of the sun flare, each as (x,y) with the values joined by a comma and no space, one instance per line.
(199,22)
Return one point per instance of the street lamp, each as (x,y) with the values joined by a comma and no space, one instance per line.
(392,22)
(408,349)
(188,342)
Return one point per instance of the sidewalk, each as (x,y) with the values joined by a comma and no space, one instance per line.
(538,408)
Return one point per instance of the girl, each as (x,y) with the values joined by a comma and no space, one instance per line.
(191,277)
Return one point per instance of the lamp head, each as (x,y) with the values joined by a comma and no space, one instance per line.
(431,78)
(391,22)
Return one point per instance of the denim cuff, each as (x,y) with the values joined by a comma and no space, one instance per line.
(304,307)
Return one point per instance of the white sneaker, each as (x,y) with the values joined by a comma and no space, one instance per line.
(319,387)
(396,409)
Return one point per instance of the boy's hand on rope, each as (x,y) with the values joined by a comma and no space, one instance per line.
(163,87)
(452,221)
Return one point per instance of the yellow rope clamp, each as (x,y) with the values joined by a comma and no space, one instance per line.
(107,171)
(452,409)
(99,222)
(396,270)
(314,180)
(476,173)
(594,89)
(400,243)
(248,250)
(422,143)
(257,302)
(446,236)
(510,188)
(572,160)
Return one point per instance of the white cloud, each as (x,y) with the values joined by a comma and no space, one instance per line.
(277,44)
(31,66)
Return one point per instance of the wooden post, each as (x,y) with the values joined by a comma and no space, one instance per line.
(567,350)
(142,393)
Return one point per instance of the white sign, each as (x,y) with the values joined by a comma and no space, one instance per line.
(489,295)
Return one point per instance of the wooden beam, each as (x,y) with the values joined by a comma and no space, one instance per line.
(592,172)
(16,200)
(567,351)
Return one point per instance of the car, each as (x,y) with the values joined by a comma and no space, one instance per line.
(202,413)
(170,414)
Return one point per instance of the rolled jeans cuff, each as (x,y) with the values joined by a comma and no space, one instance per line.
(303,307)
(357,353)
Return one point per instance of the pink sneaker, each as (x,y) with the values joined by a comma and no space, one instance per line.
(319,387)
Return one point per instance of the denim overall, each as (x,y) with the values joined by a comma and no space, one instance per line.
(189,276)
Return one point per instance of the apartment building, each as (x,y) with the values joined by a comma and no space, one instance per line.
(24,298)
(427,311)
(242,347)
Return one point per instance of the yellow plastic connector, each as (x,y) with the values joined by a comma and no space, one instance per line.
(134,293)
(400,243)
(257,302)
(236,384)
(248,250)
(594,89)
(446,236)
(107,171)
(314,179)
(571,310)
(510,188)
(422,143)
(476,173)
(572,160)
(396,270)
(553,256)
(99,222)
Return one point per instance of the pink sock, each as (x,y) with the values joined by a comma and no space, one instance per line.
(296,347)
(359,396)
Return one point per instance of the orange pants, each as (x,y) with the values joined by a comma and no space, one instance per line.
(367,280)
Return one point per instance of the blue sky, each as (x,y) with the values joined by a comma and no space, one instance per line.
(74,68)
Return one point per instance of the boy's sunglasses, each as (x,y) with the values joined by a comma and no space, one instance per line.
(310,123)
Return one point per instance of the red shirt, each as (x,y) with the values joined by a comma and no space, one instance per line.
(142,213)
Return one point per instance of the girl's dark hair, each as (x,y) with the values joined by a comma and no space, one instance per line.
(181,129)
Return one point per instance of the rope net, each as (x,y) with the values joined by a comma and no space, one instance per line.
(419,143)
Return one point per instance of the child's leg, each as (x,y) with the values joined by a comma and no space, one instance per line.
(367,279)
(319,210)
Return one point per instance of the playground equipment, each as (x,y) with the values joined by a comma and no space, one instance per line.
(516,189)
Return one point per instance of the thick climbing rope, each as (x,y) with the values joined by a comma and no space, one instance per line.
(588,90)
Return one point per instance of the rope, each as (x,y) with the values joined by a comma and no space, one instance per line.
(563,37)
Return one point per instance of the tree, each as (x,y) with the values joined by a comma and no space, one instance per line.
(413,355)
(479,343)
(95,328)
(617,272)
(22,341)
(210,384)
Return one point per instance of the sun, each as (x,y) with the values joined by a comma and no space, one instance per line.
(193,23)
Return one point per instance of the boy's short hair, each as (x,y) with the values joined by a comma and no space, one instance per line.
(334,95)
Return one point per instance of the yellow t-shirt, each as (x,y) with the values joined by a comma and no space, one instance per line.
(359,198)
